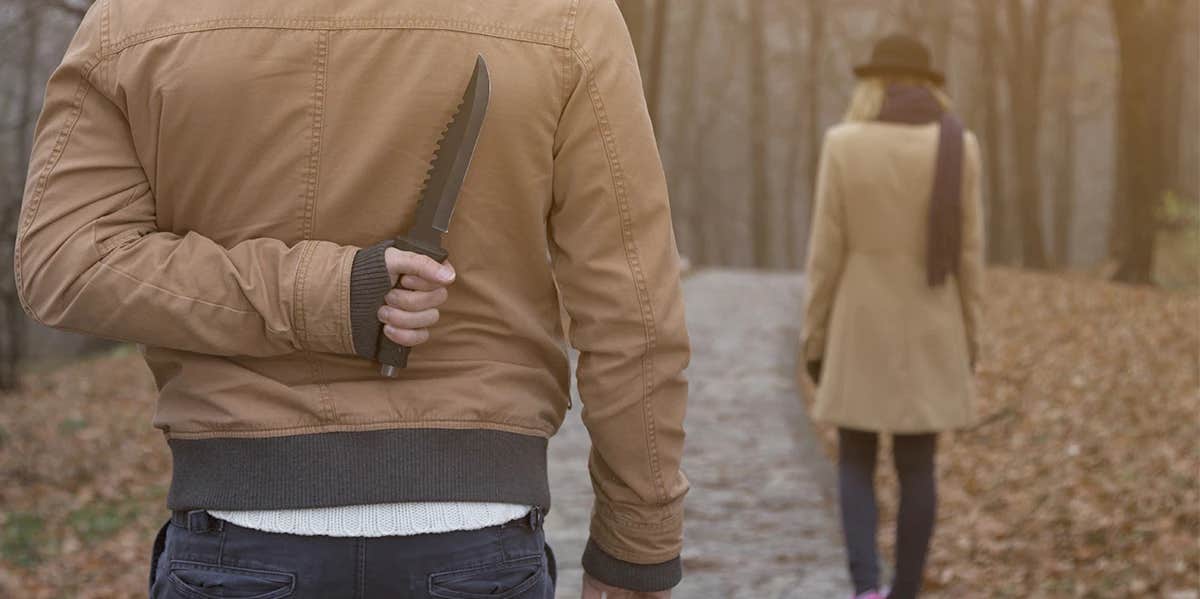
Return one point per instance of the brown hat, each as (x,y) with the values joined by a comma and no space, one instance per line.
(899,54)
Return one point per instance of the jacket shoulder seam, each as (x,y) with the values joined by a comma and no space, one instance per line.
(338,23)
(632,259)
(105,24)
(82,89)
(568,49)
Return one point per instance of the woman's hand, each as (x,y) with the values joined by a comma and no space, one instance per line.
(814,371)
(594,589)
(409,310)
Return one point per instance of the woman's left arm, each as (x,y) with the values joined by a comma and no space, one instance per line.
(970,277)
(826,256)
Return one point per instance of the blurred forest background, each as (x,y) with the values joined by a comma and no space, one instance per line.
(1086,110)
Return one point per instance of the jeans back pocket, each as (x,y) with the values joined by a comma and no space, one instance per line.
(197,580)
(503,580)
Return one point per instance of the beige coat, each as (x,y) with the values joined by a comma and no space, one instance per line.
(897,354)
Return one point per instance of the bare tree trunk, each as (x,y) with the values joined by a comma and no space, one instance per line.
(1145,33)
(1027,36)
(804,135)
(1187,175)
(13,335)
(1064,188)
(795,140)
(943,26)
(816,44)
(684,131)
(656,59)
(999,236)
(1177,96)
(634,12)
(759,137)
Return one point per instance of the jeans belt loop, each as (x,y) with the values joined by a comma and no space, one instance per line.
(200,521)
(536,518)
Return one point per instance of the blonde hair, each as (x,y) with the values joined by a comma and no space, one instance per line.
(867,99)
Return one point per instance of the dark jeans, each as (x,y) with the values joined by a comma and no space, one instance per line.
(914,459)
(205,557)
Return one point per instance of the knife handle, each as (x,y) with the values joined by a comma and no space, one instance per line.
(392,356)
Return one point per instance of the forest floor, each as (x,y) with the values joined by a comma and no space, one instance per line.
(1080,479)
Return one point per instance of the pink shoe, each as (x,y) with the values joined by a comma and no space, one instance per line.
(870,595)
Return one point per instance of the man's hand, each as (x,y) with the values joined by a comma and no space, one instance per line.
(408,312)
(594,589)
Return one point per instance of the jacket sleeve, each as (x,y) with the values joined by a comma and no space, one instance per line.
(617,268)
(971,266)
(90,258)
(826,255)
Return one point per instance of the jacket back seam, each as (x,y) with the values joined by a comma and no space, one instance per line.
(337,23)
(632,259)
(312,175)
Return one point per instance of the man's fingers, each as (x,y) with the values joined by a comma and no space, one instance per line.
(406,337)
(416,283)
(409,311)
(401,263)
(403,319)
(415,301)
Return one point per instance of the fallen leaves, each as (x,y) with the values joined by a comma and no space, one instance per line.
(85,478)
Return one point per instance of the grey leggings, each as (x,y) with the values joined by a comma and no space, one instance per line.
(914,457)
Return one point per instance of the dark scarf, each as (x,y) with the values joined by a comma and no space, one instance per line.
(917,105)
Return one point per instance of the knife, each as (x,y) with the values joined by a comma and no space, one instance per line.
(445,178)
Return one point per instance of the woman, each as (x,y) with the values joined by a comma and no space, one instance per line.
(891,328)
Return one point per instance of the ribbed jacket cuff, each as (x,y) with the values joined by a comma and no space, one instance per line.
(644,578)
(369,284)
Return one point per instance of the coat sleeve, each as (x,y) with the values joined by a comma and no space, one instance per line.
(89,256)
(971,266)
(617,268)
(826,254)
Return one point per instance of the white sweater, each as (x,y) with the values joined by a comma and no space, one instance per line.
(379,519)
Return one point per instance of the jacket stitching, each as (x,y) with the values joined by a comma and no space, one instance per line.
(313,167)
(569,33)
(105,19)
(347,337)
(312,174)
(332,23)
(301,276)
(82,89)
(673,517)
(637,558)
(226,430)
(631,257)
(174,294)
(103,248)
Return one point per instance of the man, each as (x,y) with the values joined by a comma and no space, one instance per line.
(218,183)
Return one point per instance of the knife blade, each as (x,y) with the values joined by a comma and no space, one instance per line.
(443,182)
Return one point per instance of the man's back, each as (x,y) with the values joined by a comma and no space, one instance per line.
(204,174)
(318,121)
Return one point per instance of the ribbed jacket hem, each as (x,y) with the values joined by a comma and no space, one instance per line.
(369,285)
(349,468)
(645,578)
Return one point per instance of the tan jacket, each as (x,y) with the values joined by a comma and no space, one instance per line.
(204,172)
(897,355)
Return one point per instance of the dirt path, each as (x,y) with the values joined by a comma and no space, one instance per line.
(760,522)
